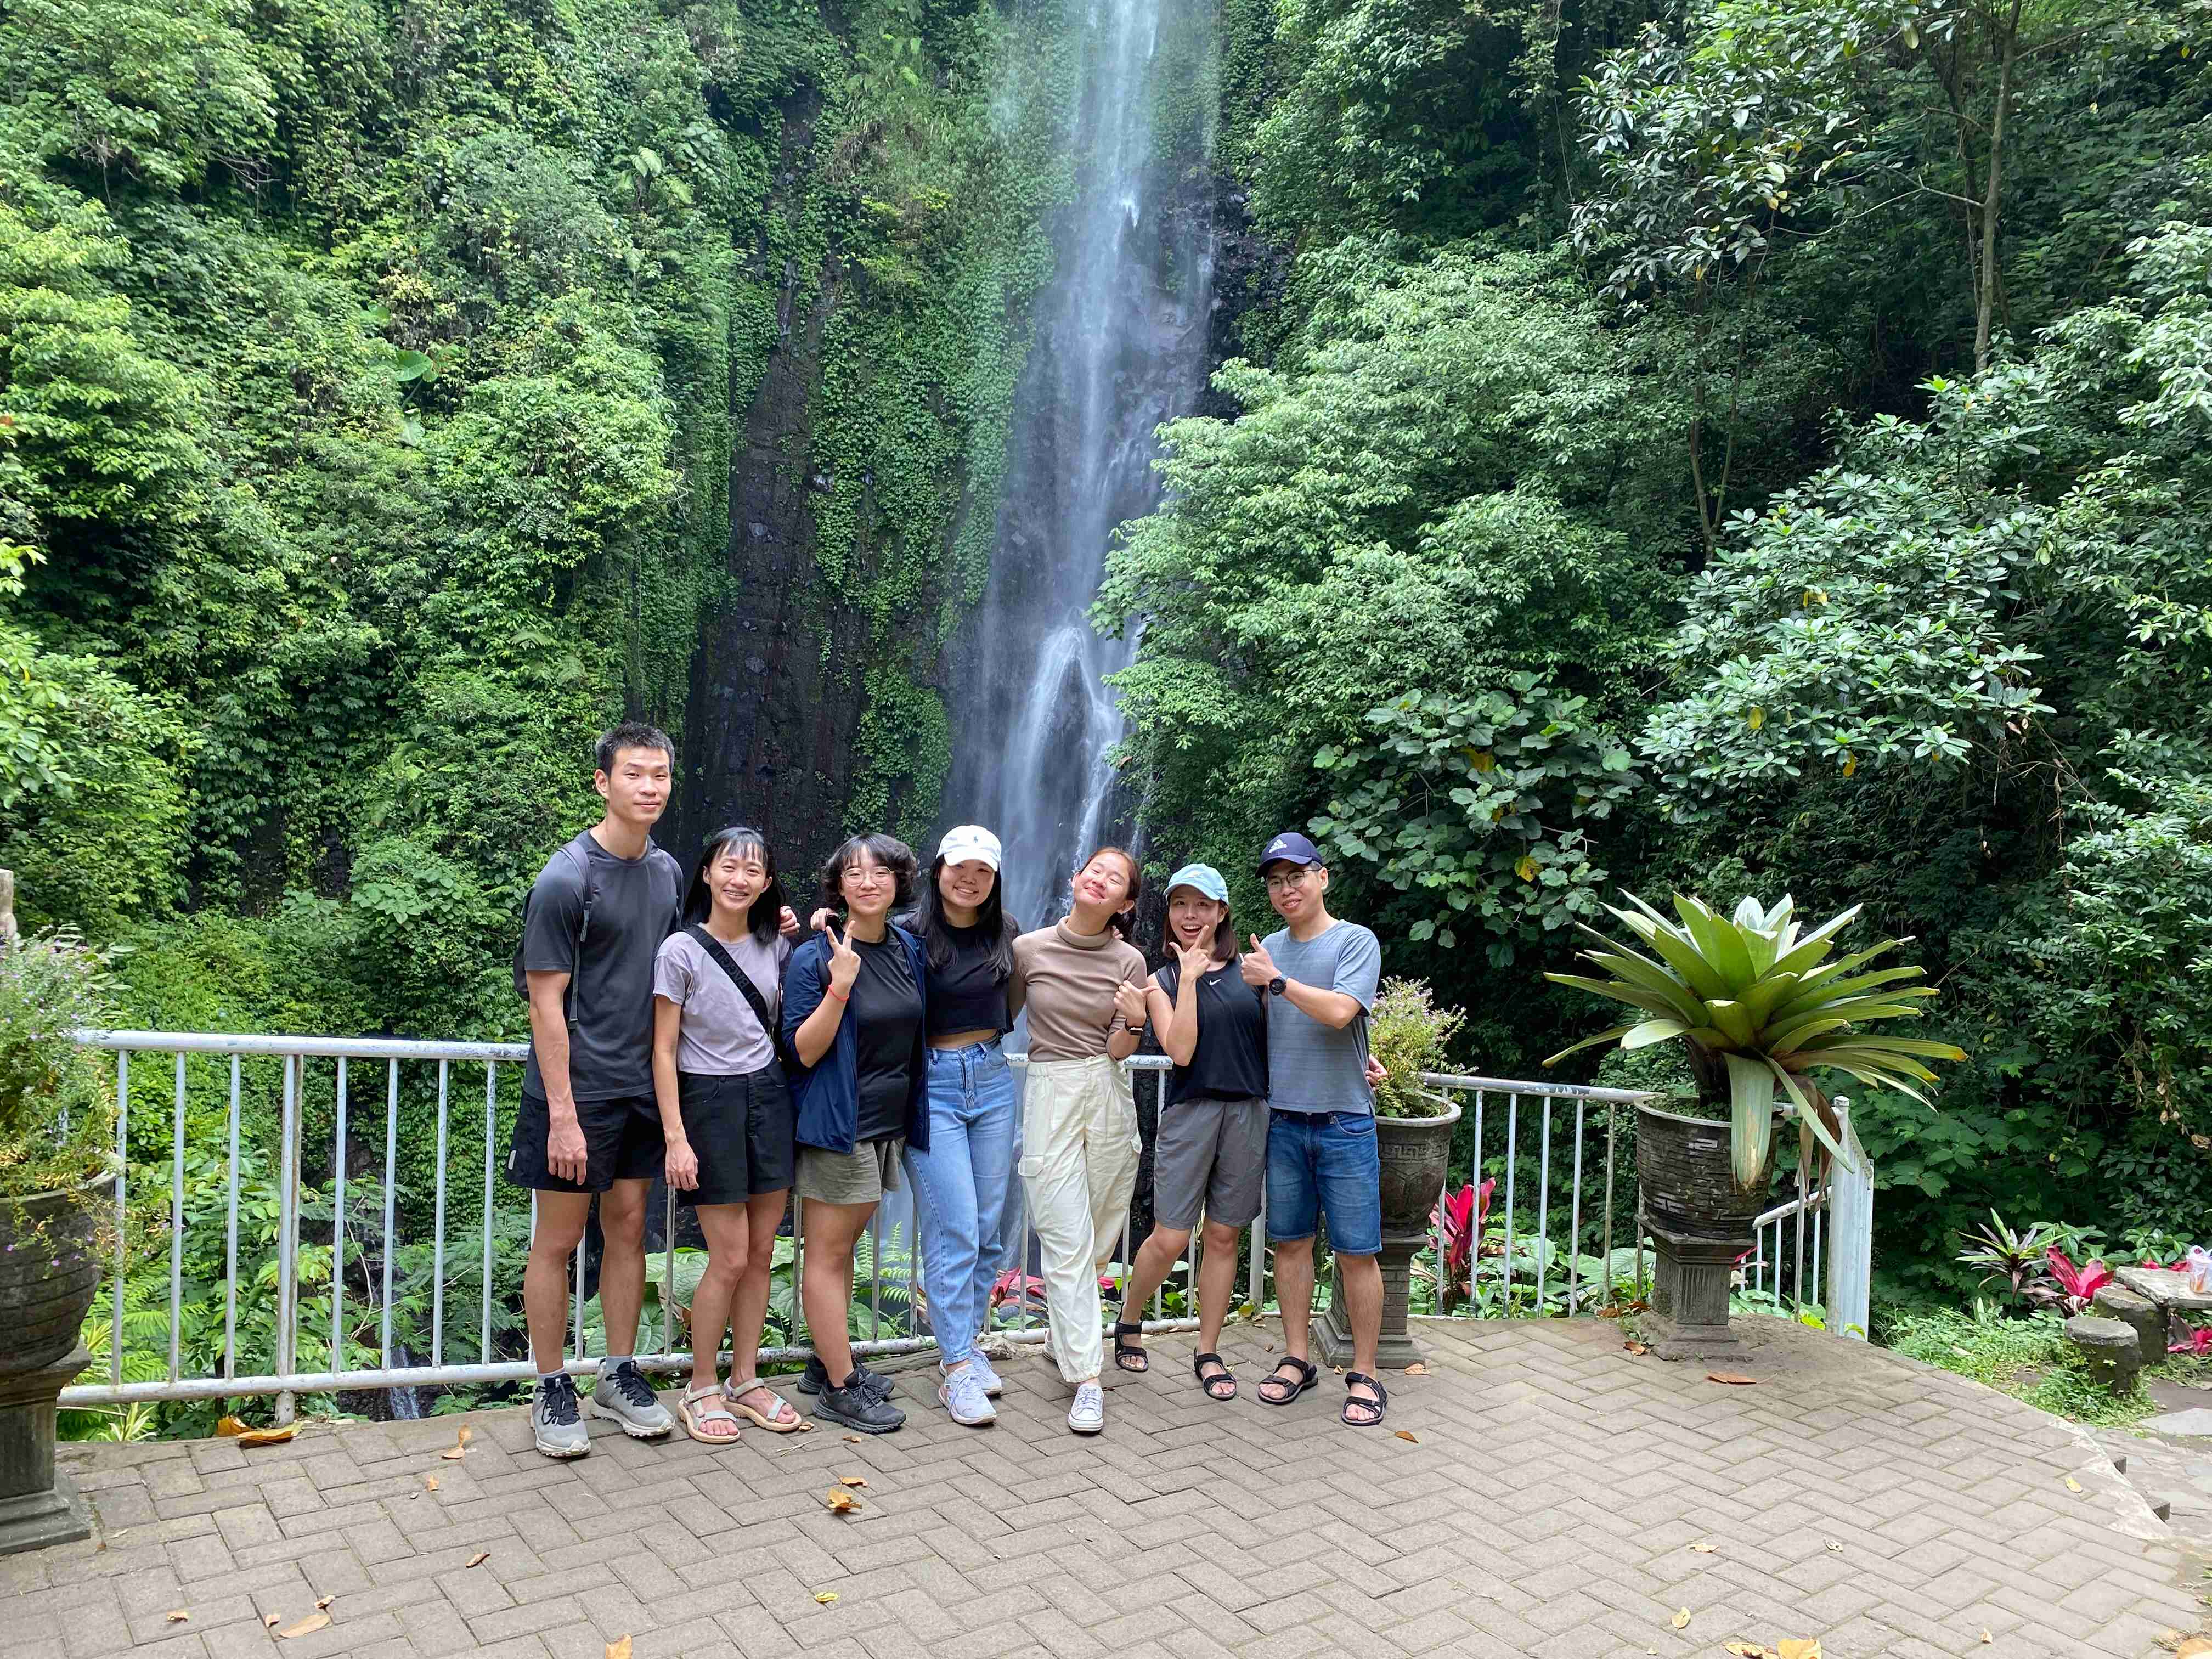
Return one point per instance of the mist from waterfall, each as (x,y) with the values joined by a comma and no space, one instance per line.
(1121,348)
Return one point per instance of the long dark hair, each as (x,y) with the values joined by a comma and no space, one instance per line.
(992,921)
(894,854)
(764,916)
(1122,921)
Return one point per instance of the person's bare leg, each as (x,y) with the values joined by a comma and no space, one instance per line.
(749,1308)
(1216,1283)
(561,1217)
(1155,1258)
(729,1245)
(622,1265)
(1294,1288)
(1362,1276)
(825,1287)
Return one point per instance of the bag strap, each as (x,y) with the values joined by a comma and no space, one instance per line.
(744,981)
(583,927)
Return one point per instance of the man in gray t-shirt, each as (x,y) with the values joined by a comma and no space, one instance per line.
(1320,976)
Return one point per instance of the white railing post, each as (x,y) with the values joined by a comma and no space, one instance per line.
(1850,1239)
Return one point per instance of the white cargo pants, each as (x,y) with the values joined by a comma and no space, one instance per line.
(1079,1151)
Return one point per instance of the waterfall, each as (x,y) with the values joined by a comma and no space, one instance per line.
(1121,346)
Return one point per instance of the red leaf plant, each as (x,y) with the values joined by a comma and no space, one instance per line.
(2072,1288)
(2198,1342)
(1462,1215)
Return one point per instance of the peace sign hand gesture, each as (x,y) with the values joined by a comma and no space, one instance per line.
(844,960)
(1129,1004)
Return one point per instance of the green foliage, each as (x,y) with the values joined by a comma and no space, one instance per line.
(1408,1033)
(57,1100)
(1461,802)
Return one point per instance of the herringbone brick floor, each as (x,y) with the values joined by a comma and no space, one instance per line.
(1555,1498)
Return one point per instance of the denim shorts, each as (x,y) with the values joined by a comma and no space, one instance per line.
(1325,1163)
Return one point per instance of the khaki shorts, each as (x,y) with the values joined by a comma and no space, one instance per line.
(862,1176)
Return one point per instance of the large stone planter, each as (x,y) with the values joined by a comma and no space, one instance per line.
(1415,1153)
(49,1272)
(1699,1224)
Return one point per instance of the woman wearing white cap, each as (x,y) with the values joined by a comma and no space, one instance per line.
(966,1178)
(1211,1155)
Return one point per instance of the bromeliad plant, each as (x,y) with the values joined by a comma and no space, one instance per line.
(1760,1006)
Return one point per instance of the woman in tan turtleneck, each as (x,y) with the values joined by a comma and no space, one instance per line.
(1083,983)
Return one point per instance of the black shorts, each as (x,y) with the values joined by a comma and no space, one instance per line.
(740,1127)
(621,1142)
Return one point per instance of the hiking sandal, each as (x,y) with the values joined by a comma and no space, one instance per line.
(1219,1383)
(1369,1412)
(695,1416)
(772,1420)
(1126,1352)
(1307,1374)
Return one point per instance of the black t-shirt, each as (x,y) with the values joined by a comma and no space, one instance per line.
(1230,1061)
(967,994)
(886,1004)
(636,906)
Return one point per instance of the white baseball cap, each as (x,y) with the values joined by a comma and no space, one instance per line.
(969,841)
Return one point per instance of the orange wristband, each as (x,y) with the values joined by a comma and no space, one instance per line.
(841,996)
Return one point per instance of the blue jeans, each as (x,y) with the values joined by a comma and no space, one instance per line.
(965,1182)
(1325,1163)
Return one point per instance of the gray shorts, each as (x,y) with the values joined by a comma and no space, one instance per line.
(1210,1155)
(862,1176)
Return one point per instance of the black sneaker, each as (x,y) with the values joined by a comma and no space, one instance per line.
(815,1379)
(856,1408)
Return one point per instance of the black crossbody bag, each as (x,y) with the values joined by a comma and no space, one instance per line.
(744,981)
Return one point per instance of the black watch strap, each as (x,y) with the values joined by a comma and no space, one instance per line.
(1277,986)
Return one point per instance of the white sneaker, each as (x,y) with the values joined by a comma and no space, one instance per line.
(962,1393)
(981,1366)
(1088,1414)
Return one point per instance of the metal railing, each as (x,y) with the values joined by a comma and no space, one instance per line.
(1532,1267)
(1846,1195)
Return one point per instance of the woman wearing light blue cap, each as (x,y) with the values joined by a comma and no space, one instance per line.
(1211,1155)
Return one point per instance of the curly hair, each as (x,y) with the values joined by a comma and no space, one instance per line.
(895,855)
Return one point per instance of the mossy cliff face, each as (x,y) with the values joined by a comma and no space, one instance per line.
(894,277)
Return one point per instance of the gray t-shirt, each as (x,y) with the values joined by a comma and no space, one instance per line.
(720,1035)
(611,1045)
(1310,1066)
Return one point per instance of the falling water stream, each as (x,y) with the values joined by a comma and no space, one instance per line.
(1121,348)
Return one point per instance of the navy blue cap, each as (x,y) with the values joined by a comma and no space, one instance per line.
(1290,847)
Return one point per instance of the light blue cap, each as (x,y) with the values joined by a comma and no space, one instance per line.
(1202,879)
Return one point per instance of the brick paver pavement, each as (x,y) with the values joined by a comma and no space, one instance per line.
(1552,1500)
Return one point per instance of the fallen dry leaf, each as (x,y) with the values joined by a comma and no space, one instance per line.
(232,1428)
(1796,1647)
(1836,1545)
(1417,1368)
(1636,1347)
(619,1649)
(465,1435)
(851,1480)
(825,1597)
(429,1483)
(454,1453)
(270,1620)
(839,1500)
(1734,1379)
(307,1626)
(853,1438)
(1703,1549)
(322,1601)
(178,1616)
(1407,1434)
(1683,1619)
(1745,1650)
(1986,1637)
(2195,1648)
(478,1559)
(2072,1484)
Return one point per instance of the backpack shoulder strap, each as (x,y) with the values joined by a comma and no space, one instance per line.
(583,863)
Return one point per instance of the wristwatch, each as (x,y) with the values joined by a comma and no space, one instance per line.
(1276,986)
